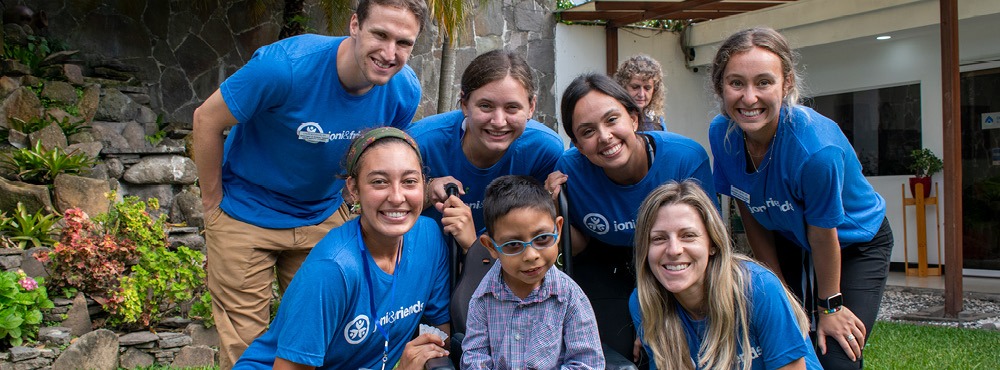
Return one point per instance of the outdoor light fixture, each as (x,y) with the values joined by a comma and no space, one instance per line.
(883,37)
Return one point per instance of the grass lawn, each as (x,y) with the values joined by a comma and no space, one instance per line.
(907,346)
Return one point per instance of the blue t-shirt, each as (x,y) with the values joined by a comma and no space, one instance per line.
(295,124)
(775,337)
(325,318)
(534,154)
(810,176)
(605,210)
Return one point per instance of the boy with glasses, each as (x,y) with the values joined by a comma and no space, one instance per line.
(525,314)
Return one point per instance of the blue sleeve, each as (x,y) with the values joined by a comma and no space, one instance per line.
(773,321)
(438,311)
(309,323)
(264,82)
(404,117)
(636,312)
(580,336)
(822,184)
(476,346)
(546,157)
(716,139)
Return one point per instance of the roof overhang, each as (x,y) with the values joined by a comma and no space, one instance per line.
(618,13)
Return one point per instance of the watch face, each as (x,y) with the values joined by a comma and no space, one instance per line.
(836,300)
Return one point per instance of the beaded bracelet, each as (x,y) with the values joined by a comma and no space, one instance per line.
(831,310)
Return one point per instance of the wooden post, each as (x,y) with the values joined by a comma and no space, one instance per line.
(950,90)
(611,48)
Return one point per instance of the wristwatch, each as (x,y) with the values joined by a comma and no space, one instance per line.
(830,302)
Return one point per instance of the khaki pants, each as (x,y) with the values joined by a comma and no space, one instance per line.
(242,262)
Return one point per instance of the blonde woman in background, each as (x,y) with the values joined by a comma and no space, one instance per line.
(642,77)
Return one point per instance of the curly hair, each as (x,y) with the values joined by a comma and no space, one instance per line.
(647,68)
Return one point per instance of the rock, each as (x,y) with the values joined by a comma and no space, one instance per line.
(162,169)
(32,266)
(135,135)
(19,353)
(8,84)
(112,74)
(116,106)
(91,149)
(17,139)
(58,57)
(50,353)
(54,335)
(35,363)
(147,118)
(141,99)
(194,356)
(11,67)
(108,136)
(173,340)
(86,136)
(138,337)
(192,241)
(89,101)
(88,194)
(115,168)
(22,104)
(186,208)
(50,136)
(202,336)
(175,322)
(97,350)
(78,318)
(15,34)
(98,172)
(73,74)
(135,358)
(10,259)
(61,92)
(34,197)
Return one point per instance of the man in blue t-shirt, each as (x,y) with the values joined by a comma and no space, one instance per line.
(270,189)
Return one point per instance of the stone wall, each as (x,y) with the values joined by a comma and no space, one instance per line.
(181,50)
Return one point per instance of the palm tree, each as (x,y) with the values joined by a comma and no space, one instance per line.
(450,16)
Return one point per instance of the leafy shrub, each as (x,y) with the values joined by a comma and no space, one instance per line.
(86,258)
(24,228)
(40,166)
(202,309)
(31,54)
(161,281)
(26,127)
(129,219)
(21,301)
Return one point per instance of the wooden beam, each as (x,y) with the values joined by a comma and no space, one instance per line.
(661,12)
(952,126)
(611,49)
(651,5)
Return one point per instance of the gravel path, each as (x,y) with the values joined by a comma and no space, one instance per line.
(899,301)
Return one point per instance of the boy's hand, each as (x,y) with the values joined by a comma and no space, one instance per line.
(422,348)
(553,183)
(456,217)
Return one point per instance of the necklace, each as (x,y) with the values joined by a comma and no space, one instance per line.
(769,153)
(371,293)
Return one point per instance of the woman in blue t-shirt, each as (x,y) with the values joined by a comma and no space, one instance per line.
(608,172)
(490,136)
(733,313)
(364,289)
(810,214)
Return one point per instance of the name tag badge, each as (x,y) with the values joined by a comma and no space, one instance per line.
(739,194)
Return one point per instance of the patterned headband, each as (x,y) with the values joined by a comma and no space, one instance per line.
(359,145)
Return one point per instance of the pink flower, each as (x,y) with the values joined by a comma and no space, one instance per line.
(28,283)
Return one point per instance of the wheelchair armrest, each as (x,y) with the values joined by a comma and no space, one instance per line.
(440,363)
(614,360)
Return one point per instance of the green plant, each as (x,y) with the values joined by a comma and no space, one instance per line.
(129,219)
(160,133)
(24,228)
(202,309)
(31,55)
(31,125)
(924,163)
(906,346)
(22,300)
(158,284)
(87,258)
(70,127)
(40,166)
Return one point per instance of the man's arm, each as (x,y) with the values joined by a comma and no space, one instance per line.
(210,120)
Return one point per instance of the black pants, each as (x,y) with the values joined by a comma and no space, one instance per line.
(864,268)
(606,275)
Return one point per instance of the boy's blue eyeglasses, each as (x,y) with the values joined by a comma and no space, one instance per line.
(516,247)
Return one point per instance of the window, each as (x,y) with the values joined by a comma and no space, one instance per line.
(882,124)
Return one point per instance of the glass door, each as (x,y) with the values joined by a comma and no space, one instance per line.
(980,98)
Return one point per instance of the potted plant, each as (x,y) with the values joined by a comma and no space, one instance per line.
(924,164)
